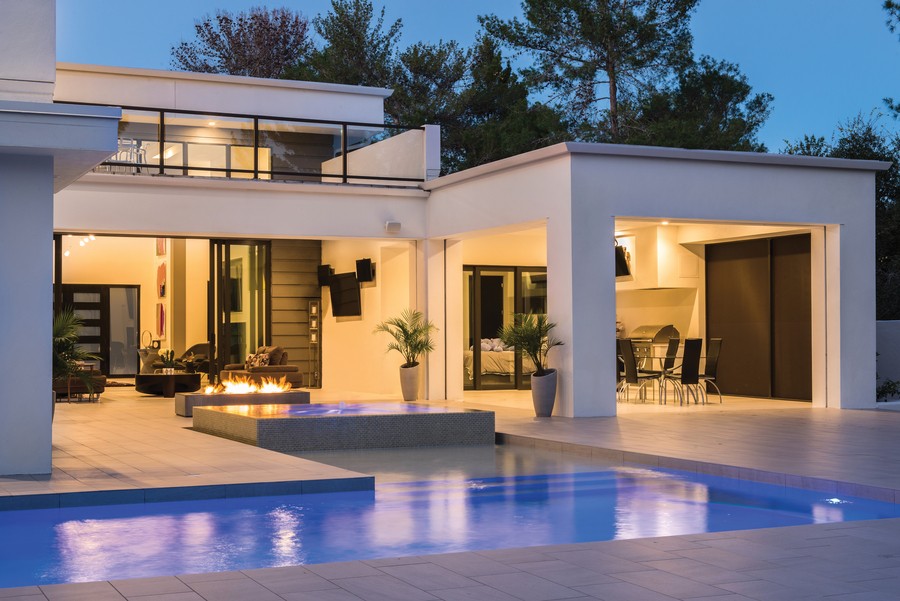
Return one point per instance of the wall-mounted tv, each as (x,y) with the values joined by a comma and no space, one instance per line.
(345,301)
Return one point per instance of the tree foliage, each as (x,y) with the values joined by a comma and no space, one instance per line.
(864,138)
(592,54)
(257,43)
(358,48)
(710,105)
(892,7)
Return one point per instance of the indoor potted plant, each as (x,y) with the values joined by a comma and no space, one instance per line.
(68,357)
(412,337)
(530,335)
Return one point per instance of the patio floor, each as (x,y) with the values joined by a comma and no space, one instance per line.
(859,451)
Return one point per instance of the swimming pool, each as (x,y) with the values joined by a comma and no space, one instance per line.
(401,518)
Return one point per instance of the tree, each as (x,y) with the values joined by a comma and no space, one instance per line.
(589,51)
(710,106)
(357,50)
(892,7)
(256,43)
(427,85)
(497,120)
(864,138)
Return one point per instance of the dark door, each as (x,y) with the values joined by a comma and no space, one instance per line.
(791,318)
(758,300)
(111,322)
(737,311)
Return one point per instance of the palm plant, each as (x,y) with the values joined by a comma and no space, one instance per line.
(530,335)
(411,333)
(67,355)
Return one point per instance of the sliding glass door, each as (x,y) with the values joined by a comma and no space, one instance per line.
(239,300)
(492,297)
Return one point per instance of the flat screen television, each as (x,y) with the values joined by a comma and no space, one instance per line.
(345,301)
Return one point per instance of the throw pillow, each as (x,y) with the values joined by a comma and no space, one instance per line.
(259,360)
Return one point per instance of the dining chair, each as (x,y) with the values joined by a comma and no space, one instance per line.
(687,381)
(633,376)
(667,367)
(713,350)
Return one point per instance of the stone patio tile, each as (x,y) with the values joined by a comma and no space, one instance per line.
(334,594)
(623,591)
(528,587)
(428,576)
(725,559)
(633,551)
(695,570)
(81,591)
(242,589)
(598,561)
(565,574)
(806,580)
(670,584)
(158,585)
(191,579)
(474,593)
(20,591)
(470,564)
(510,556)
(290,579)
(344,569)
(395,561)
(383,588)
(190,596)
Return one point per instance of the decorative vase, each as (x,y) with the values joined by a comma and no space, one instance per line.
(409,382)
(543,393)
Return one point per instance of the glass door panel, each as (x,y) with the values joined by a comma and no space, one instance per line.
(469,338)
(239,300)
(496,299)
(533,298)
(110,324)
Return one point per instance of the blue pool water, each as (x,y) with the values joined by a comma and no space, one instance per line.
(408,518)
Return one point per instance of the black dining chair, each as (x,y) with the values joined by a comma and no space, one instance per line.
(667,367)
(687,381)
(633,376)
(713,350)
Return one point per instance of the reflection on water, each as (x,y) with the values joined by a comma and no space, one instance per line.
(401,518)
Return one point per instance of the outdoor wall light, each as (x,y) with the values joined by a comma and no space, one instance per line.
(392,227)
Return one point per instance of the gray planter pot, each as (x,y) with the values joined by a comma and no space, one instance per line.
(543,393)
(409,382)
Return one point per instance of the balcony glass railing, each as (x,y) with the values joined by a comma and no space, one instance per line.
(155,142)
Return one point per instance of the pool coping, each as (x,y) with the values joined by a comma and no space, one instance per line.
(787,480)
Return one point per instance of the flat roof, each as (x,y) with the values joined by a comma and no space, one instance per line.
(232,79)
(654,152)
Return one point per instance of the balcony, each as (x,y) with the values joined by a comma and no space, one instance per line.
(196,144)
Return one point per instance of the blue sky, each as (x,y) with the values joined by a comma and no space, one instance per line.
(825,61)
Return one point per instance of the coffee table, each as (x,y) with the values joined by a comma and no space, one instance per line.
(166,384)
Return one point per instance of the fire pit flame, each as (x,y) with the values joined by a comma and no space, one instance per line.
(244,385)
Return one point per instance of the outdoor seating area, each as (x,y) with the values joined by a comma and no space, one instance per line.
(679,369)
(269,362)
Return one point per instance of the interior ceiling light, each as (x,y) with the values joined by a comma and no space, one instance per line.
(211,124)
(617,234)
(81,243)
(66,254)
(92,237)
(665,223)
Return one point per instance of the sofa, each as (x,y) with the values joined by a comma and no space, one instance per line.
(267,362)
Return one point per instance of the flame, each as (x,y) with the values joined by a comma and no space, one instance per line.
(244,385)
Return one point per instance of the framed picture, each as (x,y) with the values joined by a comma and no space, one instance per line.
(313,337)
(161,280)
(160,247)
(313,323)
(160,321)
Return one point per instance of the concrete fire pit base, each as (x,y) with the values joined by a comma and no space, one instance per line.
(185,402)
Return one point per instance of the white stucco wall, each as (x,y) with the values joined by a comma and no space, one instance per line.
(609,182)
(175,90)
(26,224)
(888,348)
(27,50)
(213,208)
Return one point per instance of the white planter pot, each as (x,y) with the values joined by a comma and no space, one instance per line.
(409,382)
(543,393)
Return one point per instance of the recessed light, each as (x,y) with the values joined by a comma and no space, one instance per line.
(617,234)
(211,124)
(92,237)
(66,254)
(665,223)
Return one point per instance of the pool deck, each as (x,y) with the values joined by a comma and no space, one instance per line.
(856,452)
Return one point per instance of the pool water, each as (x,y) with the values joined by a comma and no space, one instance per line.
(399,518)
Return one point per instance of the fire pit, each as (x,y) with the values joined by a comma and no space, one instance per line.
(241,391)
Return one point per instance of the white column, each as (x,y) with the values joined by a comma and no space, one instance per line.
(433,254)
(819,294)
(26,273)
(453,330)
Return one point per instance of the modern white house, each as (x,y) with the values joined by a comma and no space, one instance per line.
(201,208)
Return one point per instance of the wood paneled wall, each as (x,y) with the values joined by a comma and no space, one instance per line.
(294,284)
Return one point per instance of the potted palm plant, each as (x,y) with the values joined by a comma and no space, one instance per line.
(68,357)
(412,337)
(530,335)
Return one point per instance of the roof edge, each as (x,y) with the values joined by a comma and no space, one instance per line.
(654,152)
(233,79)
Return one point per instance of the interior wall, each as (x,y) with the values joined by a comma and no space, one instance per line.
(354,358)
(527,248)
(108,260)
(676,306)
